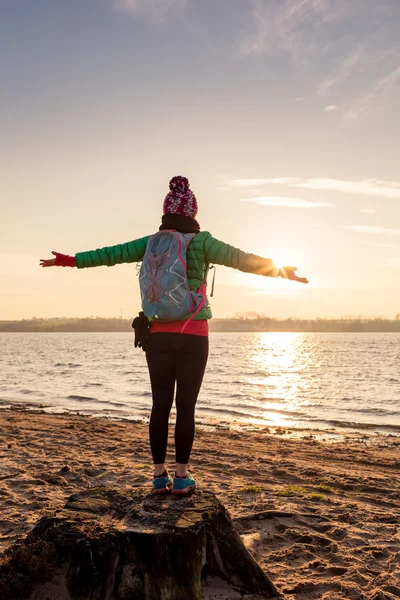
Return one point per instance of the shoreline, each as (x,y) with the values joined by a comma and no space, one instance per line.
(217,325)
(352,484)
(337,432)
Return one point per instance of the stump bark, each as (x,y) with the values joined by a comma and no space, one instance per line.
(111,545)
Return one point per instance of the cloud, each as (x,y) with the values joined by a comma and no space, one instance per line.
(373,230)
(368,211)
(381,245)
(354,57)
(351,53)
(274,293)
(282,26)
(286,202)
(158,10)
(331,108)
(380,92)
(261,181)
(342,72)
(366,187)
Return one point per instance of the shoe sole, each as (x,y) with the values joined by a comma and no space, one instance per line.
(162,491)
(186,490)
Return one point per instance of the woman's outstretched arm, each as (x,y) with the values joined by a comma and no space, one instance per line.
(219,253)
(109,256)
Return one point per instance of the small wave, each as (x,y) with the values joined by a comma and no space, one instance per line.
(93,385)
(81,398)
(14,402)
(261,400)
(231,410)
(228,411)
(290,413)
(71,365)
(114,403)
(303,416)
(376,411)
(355,424)
(105,402)
(4,402)
(257,374)
(256,407)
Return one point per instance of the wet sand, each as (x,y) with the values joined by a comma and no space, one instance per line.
(322,518)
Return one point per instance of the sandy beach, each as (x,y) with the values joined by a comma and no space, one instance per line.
(321,518)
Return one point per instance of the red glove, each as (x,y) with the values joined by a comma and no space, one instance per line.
(63,260)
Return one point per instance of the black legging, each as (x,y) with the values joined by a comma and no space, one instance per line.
(180,358)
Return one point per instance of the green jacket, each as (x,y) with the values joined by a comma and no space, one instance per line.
(203,250)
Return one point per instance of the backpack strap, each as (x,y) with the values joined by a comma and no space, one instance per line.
(202,291)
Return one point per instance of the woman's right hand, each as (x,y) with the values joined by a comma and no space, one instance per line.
(289,273)
(48,262)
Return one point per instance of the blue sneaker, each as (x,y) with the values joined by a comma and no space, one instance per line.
(184,485)
(162,485)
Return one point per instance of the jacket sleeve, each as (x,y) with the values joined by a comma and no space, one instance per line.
(113,255)
(219,253)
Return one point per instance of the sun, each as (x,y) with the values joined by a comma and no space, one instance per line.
(281,257)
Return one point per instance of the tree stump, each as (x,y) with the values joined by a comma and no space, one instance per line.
(106,544)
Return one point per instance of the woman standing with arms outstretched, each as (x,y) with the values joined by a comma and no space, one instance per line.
(176,348)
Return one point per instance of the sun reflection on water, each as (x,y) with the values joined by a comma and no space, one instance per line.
(276,363)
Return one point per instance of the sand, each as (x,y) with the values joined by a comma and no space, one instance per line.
(322,518)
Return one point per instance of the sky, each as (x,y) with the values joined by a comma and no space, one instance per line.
(283,114)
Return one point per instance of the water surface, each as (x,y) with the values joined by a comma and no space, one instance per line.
(311,380)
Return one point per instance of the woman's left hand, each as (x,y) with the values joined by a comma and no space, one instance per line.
(48,262)
(289,273)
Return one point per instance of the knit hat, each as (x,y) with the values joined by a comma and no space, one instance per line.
(180,200)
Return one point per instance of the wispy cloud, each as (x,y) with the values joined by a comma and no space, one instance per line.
(331,108)
(341,72)
(158,10)
(379,93)
(275,293)
(354,56)
(368,211)
(244,183)
(281,26)
(373,230)
(286,202)
(377,245)
(366,187)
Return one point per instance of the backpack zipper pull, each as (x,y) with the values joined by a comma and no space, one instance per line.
(213,281)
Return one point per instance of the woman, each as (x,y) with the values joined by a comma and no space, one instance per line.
(175,356)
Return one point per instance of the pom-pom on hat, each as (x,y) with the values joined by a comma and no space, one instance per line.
(180,200)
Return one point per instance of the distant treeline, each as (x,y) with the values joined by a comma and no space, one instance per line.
(60,324)
(240,323)
(306,325)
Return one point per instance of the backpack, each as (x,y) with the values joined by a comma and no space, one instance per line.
(164,287)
